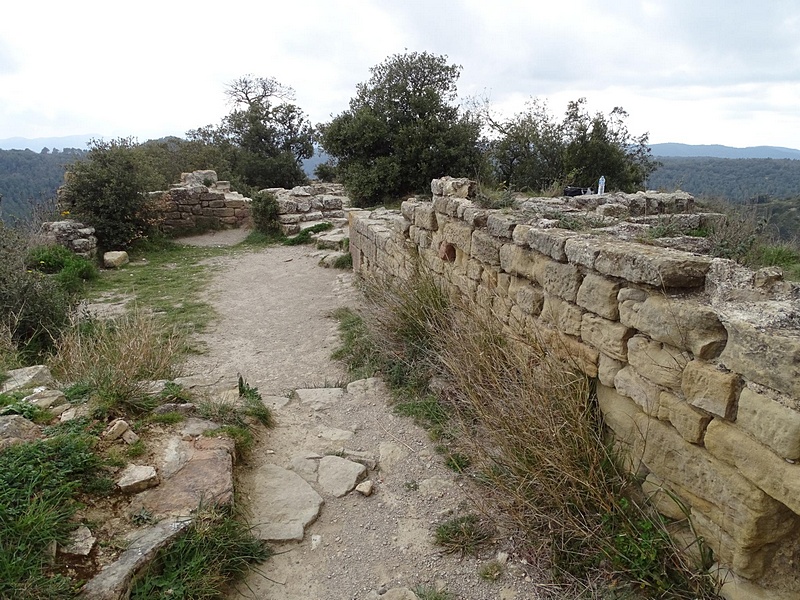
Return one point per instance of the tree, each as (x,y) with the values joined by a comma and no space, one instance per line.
(262,142)
(109,191)
(403,128)
(534,151)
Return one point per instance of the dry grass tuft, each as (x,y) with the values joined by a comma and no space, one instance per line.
(117,357)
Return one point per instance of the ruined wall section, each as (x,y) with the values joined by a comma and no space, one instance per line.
(697,360)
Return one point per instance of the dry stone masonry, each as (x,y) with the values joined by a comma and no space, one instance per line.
(305,205)
(697,360)
(72,235)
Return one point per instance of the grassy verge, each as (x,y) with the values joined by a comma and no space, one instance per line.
(512,417)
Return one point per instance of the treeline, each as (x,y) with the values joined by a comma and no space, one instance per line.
(28,178)
(738,180)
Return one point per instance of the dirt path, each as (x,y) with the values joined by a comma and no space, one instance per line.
(274,328)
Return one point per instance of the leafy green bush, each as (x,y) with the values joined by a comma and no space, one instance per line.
(34,307)
(109,191)
(264,211)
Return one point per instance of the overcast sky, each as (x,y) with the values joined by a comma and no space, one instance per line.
(691,71)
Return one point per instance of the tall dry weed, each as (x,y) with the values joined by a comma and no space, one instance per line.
(117,357)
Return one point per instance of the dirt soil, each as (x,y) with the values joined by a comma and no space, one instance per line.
(274,328)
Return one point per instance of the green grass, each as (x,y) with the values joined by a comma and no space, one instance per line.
(345,261)
(168,281)
(424,592)
(12,404)
(199,565)
(39,486)
(304,237)
(358,350)
(465,535)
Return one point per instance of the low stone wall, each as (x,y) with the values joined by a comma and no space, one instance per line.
(305,205)
(697,360)
(200,202)
(72,235)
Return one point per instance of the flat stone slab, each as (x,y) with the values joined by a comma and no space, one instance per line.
(46,398)
(15,429)
(81,542)
(282,504)
(136,478)
(338,476)
(114,580)
(319,398)
(26,377)
(205,478)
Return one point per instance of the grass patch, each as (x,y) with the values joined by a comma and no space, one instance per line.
(39,486)
(345,261)
(167,418)
(216,550)
(165,278)
(12,404)
(424,592)
(358,350)
(490,571)
(115,358)
(304,237)
(464,535)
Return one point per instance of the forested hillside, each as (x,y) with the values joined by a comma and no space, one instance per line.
(28,177)
(737,180)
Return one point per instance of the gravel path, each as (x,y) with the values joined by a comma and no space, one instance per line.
(274,328)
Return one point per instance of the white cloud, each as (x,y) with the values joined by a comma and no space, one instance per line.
(695,72)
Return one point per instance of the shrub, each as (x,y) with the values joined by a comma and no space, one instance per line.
(70,269)
(117,357)
(264,211)
(34,308)
(109,191)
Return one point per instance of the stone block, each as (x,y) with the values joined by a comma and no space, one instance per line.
(756,462)
(473,215)
(407,208)
(647,395)
(562,280)
(518,261)
(660,267)
(609,337)
(584,250)
(520,235)
(708,387)
(425,216)
(771,423)
(569,350)
(623,416)
(607,368)
(564,316)
(223,212)
(689,421)
(114,260)
(459,235)
(681,323)
(763,355)
(527,296)
(485,248)
(599,295)
(664,500)
(501,225)
(550,242)
(660,363)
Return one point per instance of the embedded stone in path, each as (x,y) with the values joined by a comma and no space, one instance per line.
(136,478)
(319,398)
(282,504)
(81,542)
(338,476)
(205,478)
(114,580)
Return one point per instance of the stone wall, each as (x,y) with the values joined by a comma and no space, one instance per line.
(200,202)
(304,205)
(697,360)
(72,235)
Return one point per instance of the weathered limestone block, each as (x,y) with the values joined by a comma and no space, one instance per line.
(771,423)
(584,250)
(660,363)
(661,267)
(520,235)
(528,297)
(647,395)
(734,587)
(623,416)
(26,377)
(771,358)
(568,349)
(680,323)
(608,368)
(114,260)
(407,208)
(443,205)
(425,216)
(690,422)
(706,386)
(663,499)
(564,316)
(460,187)
(485,247)
(518,261)
(501,225)
(473,216)
(610,337)
(599,295)
(459,235)
(558,279)
(550,242)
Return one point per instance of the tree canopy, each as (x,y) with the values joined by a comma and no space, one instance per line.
(403,128)
(264,138)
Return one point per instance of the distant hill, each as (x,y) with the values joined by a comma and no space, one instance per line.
(36,144)
(717,151)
